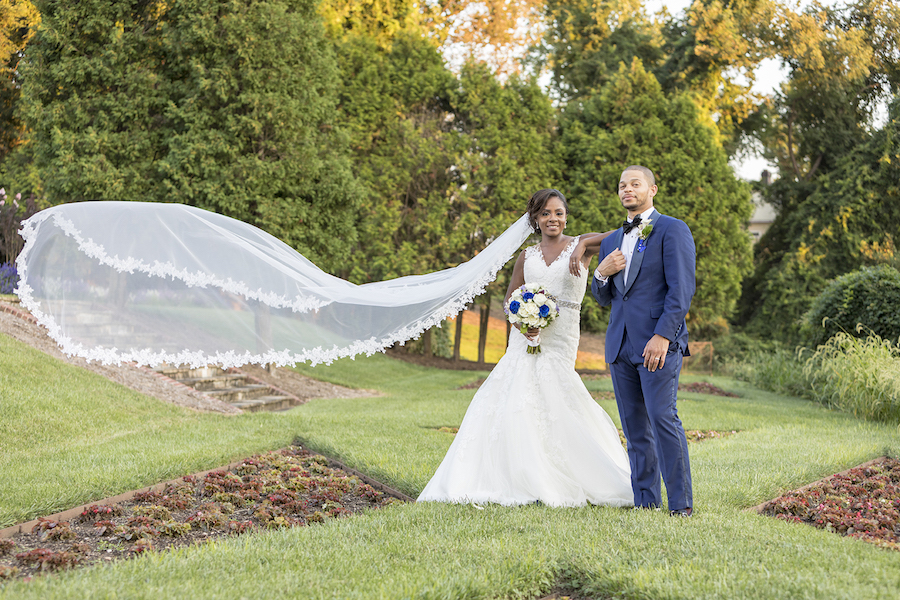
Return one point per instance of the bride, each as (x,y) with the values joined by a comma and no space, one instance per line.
(533,432)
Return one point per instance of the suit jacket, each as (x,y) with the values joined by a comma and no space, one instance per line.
(657,295)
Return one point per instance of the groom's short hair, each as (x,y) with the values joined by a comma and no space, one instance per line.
(651,179)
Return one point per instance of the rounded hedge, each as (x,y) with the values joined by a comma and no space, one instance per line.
(869,297)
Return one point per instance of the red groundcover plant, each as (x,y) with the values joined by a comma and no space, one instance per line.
(290,488)
(863,503)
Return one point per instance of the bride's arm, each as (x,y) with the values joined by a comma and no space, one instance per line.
(518,280)
(588,247)
(518,276)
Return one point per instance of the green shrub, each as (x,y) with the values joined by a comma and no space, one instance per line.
(779,371)
(733,349)
(860,376)
(869,297)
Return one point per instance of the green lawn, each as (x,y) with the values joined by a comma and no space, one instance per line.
(68,436)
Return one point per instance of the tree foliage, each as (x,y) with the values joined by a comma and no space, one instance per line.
(228,106)
(587,41)
(19,20)
(847,218)
(631,121)
(251,108)
(446,162)
(497,33)
(375,19)
(394,105)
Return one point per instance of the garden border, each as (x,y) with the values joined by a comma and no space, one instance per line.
(6,305)
(759,507)
(72,513)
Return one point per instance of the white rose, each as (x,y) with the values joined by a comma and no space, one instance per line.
(540,299)
(528,310)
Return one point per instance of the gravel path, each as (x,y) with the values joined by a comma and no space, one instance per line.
(18,324)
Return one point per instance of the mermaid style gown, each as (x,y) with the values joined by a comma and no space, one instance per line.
(533,431)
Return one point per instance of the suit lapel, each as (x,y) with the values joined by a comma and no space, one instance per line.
(638,257)
(619,278)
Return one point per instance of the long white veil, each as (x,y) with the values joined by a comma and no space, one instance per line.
(167,283)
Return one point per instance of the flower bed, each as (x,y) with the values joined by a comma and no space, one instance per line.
(863,503)
(290,488)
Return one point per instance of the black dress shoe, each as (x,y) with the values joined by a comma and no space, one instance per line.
(682,512)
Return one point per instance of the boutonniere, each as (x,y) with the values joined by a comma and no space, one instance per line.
(643,234)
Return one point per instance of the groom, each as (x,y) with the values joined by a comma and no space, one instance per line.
(646,273)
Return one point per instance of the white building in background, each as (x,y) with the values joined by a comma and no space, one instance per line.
(763,212)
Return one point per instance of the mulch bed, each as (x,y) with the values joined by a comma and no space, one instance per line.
(863,503)
(702,387)
(290,488)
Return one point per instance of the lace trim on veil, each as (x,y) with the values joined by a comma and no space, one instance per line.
(514,237)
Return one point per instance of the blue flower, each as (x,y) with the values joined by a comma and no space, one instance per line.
(527,296)
(544,310)
(8,278)
(514,307)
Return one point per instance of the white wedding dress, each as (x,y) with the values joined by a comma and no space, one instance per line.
(533,431)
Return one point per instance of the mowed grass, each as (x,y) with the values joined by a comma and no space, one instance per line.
(69,436)
(436,550)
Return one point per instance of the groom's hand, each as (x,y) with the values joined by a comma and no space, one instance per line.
(611,264)
(655,352)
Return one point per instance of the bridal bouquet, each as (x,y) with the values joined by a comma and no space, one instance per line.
(531,306)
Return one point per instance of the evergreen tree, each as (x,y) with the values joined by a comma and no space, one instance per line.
(446,163)
(509,153)
(631,121)
(225,105)
(395,106)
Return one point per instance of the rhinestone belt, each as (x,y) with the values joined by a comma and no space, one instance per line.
(567,304)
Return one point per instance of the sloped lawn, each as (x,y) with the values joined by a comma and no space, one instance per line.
(447,551)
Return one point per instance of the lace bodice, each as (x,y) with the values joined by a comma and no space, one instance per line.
(561,338)
(555,277)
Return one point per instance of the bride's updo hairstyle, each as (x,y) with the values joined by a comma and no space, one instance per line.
(539,200)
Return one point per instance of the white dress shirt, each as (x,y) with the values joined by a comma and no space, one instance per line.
(629,242)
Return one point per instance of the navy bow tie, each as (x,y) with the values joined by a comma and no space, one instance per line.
(626,226)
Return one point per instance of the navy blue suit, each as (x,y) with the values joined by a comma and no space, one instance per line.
(654,300)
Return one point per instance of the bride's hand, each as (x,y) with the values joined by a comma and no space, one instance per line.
(533,332)
(575,260)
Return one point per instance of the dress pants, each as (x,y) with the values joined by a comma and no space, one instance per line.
(656,441)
